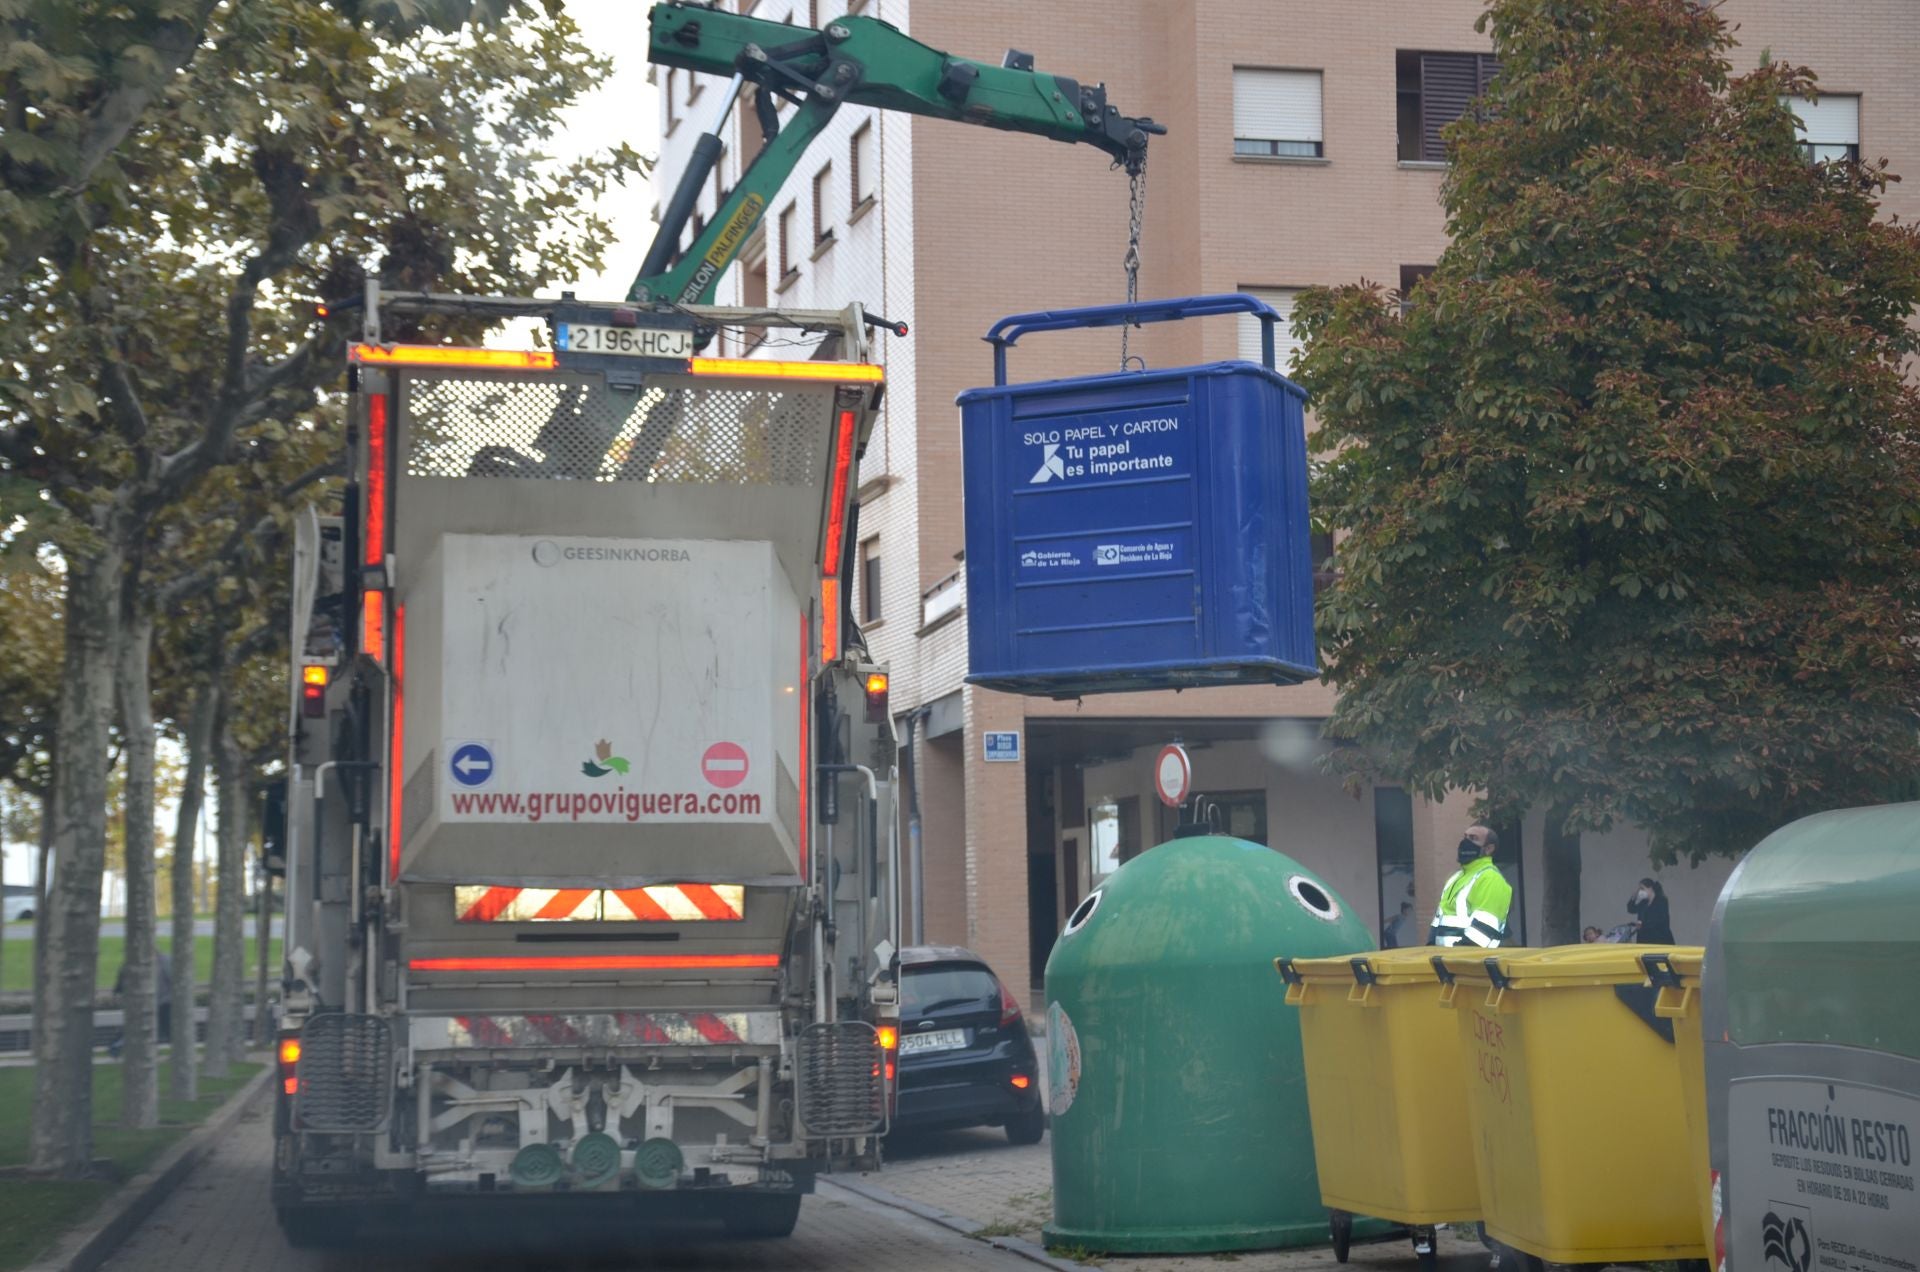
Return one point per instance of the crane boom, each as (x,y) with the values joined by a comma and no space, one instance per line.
(858,60)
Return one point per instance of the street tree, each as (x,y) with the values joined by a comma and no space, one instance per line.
(294,145)
(29,674)
(80,77)
(1631,491)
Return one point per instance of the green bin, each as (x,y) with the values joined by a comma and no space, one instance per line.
(1810,1002)
(1176,1080)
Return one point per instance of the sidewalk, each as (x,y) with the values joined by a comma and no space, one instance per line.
(1004,1191)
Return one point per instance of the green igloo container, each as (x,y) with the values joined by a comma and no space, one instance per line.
(1174,1070)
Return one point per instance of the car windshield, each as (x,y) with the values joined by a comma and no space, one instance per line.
(944,985)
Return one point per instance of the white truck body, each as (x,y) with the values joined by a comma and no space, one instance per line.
(591,882)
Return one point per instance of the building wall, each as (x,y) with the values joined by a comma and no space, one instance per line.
(973,224)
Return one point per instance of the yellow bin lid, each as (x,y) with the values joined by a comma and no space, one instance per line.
(1410,965)
(1564,965)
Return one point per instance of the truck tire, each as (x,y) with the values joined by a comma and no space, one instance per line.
(307,1229)
(1028,1127)
(762,1215)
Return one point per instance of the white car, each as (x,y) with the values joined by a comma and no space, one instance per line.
(17,907)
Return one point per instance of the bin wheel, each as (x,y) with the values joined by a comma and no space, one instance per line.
(1340,1225)
(1426,1247)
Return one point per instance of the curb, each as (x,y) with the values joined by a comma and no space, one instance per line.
(965,1227)
(87,1248)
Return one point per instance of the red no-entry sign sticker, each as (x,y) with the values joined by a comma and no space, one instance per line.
(1172,774)
(724,764)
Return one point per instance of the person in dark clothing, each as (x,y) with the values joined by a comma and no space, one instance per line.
(1649,907)
(163,1001)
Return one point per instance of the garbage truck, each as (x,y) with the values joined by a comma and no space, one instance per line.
(592,879)
(592,870)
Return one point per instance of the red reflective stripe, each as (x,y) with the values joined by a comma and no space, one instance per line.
(376,545)
(712,1028)
(597,963)
(489,907)
(837,493)
(563,903)
(707,901)
(642,905)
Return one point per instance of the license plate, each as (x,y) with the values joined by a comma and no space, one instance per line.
(933,1040)
(634,342)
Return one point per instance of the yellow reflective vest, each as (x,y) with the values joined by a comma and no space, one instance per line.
(1473,907)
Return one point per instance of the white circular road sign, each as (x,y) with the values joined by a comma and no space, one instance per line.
(1173,775)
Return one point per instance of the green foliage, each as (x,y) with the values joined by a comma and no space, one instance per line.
(170,333)
(29,675)
(1631,492)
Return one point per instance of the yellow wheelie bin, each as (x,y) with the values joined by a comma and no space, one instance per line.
(1383,1091)
(1567,1069)
(1676,975)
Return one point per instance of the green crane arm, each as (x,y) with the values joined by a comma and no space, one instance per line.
(856,60)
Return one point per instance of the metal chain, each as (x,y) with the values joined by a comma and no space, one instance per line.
(1136,210)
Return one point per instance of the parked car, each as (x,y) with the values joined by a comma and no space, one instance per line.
(16,906)
(965,1057)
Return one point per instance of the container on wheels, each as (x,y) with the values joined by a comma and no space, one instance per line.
(1175,1073)
(1137,530)
(1566,1068)
(1676,975)
(1384,1083)
(1811,1014)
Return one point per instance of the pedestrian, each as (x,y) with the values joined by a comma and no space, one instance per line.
(1589,935)
(1648,904)
(1396,932)
(162,1002)
(1474,903)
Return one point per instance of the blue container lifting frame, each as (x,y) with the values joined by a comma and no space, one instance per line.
(1137,529)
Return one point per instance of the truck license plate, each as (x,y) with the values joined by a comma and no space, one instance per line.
(933,1040)
(636,342)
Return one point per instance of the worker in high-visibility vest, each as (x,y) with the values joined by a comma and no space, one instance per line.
(1473,906)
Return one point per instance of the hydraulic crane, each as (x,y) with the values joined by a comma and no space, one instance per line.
(856,60)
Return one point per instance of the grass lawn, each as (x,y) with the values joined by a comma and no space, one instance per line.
(17,972)
(39,1210)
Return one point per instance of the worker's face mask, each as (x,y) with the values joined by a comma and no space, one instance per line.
(1469,851)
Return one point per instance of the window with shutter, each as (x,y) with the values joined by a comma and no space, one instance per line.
(1277,113)
(788,269)
(1411,276)
(1433,90)
(862,166)
(822,181)
(1285,347)
(1828,126)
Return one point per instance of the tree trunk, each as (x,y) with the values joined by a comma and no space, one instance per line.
(184,1082)
(61,1137)
(139,1083)
(225,1040)
(1562,857)
(42,874)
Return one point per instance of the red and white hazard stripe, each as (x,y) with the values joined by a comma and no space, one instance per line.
(660,903)
(660,1028)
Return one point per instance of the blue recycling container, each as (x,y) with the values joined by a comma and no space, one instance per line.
(1137,529)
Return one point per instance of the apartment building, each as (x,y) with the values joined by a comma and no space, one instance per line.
(1303,149)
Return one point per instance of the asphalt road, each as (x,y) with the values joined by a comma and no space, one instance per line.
(219,1220)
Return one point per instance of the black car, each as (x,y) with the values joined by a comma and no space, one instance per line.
(965,1057)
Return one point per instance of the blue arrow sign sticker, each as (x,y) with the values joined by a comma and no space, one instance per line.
(472,765)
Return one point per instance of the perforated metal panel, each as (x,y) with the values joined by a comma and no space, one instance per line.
(567,428)
(346,1073)
(837,1077)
